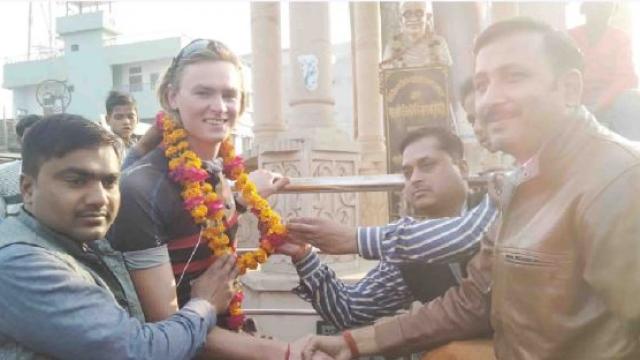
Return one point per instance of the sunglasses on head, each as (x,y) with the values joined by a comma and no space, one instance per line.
(197,46)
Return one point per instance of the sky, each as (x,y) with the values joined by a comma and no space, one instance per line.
(227,21)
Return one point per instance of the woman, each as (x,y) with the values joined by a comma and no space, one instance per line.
(202,92)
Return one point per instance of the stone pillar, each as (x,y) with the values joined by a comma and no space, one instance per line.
(312,146)
(459,24)
(389,21)
(266,71)
(311,101)
(366,45)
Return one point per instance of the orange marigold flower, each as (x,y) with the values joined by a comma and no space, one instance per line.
(182,145)
(279,228)
(191,193)
(218,215)
(208,188)
(212,247)
(221,240)
(171,151)
(199,211)
(190,155)
(174,163)
(235,310)
(178,134)
(260,255)
(242,180)
(249,261)
(211,232)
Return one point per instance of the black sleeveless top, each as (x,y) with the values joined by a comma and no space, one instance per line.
(429,281)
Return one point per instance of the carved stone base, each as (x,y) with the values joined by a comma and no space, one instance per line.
(317,152)
(314,152)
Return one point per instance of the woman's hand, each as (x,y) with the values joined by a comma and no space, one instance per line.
(267,182)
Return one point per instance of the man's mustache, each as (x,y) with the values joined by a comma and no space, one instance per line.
(499,112)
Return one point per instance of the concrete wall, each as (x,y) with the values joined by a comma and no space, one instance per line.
(145,94)
(144,51)
(88,73)
(29,73)
(24,100)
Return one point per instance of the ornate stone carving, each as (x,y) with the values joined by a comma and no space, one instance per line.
(339,207)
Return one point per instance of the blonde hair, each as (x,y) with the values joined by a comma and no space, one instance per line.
(213,51)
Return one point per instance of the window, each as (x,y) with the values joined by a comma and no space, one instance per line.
(153,80)
(75,47)
(135,79)
(135,83)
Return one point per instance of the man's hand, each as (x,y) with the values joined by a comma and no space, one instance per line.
(296,251)
(496,186)
(334,346)
(216,283)
(329,236)
(298,346)
(267,182)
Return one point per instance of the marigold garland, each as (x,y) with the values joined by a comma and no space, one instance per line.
(207,209)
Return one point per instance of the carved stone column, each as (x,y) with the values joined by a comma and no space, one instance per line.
(311,146)
(459,24)
(311,101)
(366,45)
(266,71)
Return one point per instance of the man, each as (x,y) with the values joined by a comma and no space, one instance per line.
(488,160)
(434,168)
(467,98)
(122,117)
(610,79)
(10,172)
(61,297)
(560,280)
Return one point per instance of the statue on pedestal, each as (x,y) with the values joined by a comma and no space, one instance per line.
(417,44)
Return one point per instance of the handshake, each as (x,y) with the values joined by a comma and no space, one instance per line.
(331,238)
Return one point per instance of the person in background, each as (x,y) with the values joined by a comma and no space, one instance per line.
(610,79)
(492,162)
(435,187)
(122,117)
(467,98)
(10,172)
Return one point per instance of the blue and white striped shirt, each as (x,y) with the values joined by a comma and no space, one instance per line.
(383,291)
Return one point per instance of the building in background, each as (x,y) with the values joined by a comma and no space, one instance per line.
(94,61)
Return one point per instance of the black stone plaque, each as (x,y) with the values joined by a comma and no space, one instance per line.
(413,98)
